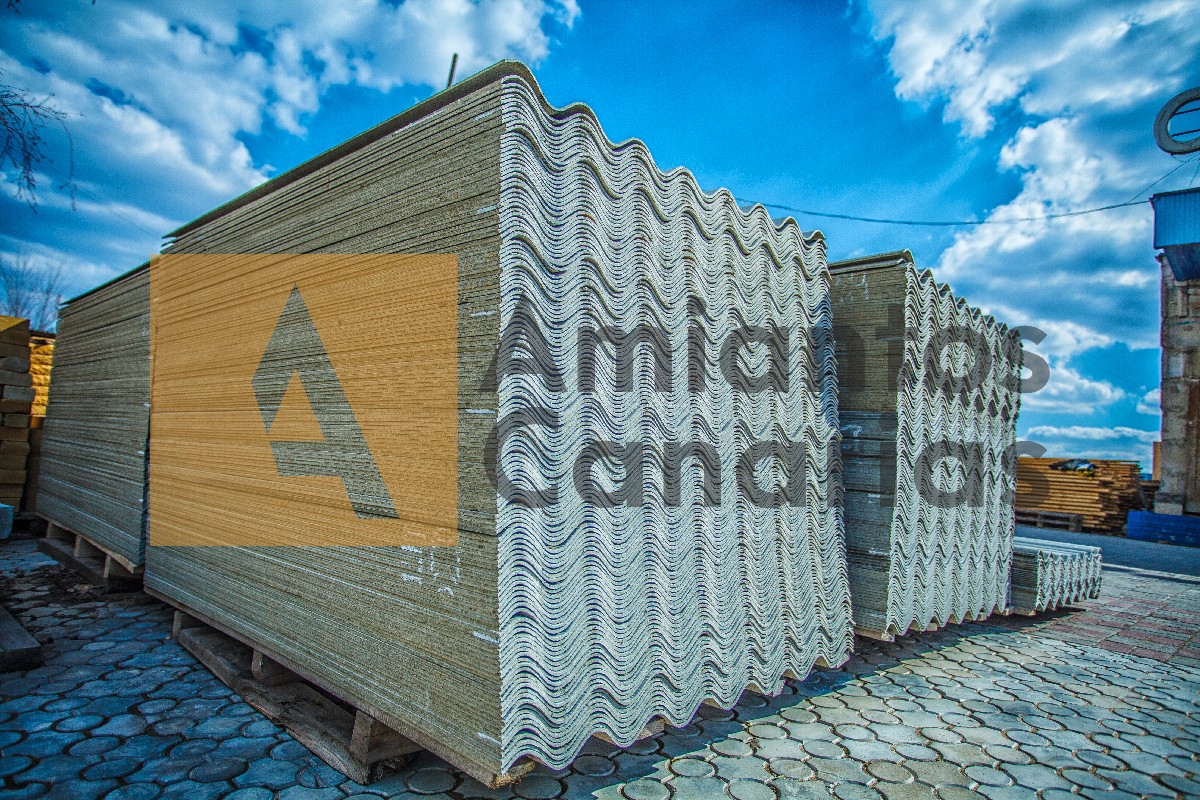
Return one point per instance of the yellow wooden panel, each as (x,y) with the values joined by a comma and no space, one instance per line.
(306,400)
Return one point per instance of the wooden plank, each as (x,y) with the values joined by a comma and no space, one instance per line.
(879,636)
(91,562)
(310,717)
(18,650)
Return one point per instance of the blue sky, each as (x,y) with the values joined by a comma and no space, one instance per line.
(933,111)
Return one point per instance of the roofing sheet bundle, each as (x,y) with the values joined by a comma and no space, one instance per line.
(92,477)
(644,434)
(928,398)
(1049,575)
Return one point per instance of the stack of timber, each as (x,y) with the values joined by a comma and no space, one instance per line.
(928,400)
(16,401)
(92,480)
(1100,494)
(41,359)
(580,591)
(1049,575)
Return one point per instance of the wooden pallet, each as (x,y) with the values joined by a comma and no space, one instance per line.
(1050,519)
(356,740)
(109,571)
(349,740)
(18,650)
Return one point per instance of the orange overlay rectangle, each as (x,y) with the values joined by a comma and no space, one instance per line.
(305,400)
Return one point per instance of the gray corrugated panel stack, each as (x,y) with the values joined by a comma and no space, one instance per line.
(928,399)
(93,463)
(546,625)
(659,604)
(1049,575)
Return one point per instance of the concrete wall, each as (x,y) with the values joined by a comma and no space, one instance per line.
(1180,462)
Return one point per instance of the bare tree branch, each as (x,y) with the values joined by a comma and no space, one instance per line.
(22,119)
(31,292)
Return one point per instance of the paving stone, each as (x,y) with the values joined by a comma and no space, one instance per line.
(1100,759)
(937,773)
(122,725)
(1035,777)
(319,775)
(248,749)
(957,793)
(987,776)
(66,704)
(823,749)
(251,794)
(112,768)
(1184,763)
(837,770)
(962,754)
(917,752)
(261,727)
(691,768)
(305,793)
(1188,787)
(217,770)
(805,731)
(136,791)
(79,789)
(750,790)
(1145,763)
(597,766)
(52,769)
(889,772)
(645,790)
(430,780)
(28,790)
(870,751)
(42,744)
(798,714)
(539,787)
(855,791)
(940,735)
(166,771)
(732,769)
(791,768)
(11,765)
(268,772)
(696,788)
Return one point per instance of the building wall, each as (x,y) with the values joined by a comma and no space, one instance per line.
(1180,462)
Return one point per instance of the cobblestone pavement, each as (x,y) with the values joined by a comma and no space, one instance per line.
(1154,616)
(1012,709)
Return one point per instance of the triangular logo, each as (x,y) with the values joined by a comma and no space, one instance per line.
(296,348)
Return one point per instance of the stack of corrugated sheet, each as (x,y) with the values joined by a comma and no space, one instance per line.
(41,359)
(1050,575)
(92,478)
(16,399)
(928,399)
(609,606)
(1101,493)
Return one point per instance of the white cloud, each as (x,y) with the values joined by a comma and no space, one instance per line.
(160,96)
(1064,95)
(1091,434)
(1069,392)
(979,57)
(1080,441)
(1150,403)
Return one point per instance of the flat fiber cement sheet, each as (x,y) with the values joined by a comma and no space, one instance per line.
(305,400)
